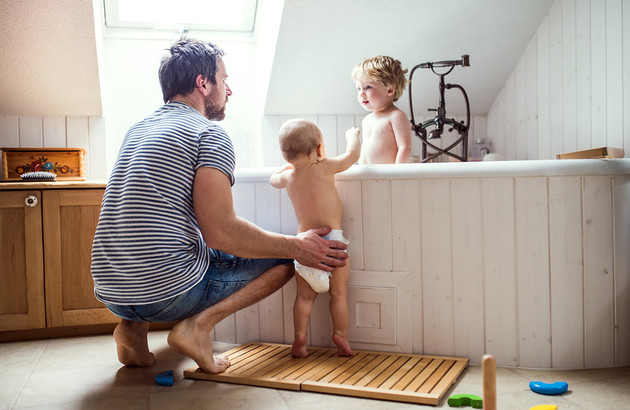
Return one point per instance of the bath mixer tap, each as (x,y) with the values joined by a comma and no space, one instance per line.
(440,119)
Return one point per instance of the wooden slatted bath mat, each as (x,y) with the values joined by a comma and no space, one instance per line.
(388,376)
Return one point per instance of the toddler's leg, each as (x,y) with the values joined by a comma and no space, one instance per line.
(302,309)
(339,309)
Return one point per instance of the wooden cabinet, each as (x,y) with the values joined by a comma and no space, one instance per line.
(45,259)
(21,262)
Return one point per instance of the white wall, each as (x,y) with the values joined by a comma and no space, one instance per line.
(36,131)
(571,89)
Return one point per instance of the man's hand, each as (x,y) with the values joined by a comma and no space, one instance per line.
(321,253)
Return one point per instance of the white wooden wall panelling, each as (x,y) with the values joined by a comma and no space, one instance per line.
(500,274)
(268,217)
(468,285)
(244,198)
(328,126)
(30,131)
(377,225)
(242,324)
(78,136)
(566,262)
(555,80)
(598,272)
(544,84)
(480,130)
(533,276)
(246,323)
(9,131)
(531,73)
(509,136)
(614,80)
(437,269)
(97,167)
(598,73)
(569,86)
(345,122)
(583,73)
(352,221)
(407,257)
(271,155)
(225,330)
(520,98)
(622,268)
(496,124)
(288,221)
(378,304)
(54,132)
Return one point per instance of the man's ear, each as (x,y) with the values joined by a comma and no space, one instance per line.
(201,84)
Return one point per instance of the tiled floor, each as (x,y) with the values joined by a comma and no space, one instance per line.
(83,373)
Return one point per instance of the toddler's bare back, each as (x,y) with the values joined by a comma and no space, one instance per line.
(314,197)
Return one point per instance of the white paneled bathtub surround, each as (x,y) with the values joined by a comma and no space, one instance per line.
(526,260)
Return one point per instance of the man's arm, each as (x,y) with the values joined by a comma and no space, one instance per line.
(223,229)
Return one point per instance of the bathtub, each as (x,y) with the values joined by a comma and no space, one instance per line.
(525,260)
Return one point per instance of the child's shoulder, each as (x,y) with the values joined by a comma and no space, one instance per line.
(397,113)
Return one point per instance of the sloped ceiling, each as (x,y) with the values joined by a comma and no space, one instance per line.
(48,63)
(319,43)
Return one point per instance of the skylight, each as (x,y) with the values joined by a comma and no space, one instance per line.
(181,15)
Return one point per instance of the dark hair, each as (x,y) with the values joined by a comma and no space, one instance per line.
(188,59)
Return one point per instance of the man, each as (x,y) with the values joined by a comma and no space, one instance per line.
(164,245)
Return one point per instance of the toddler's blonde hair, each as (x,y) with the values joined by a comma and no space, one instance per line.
(385,70)
(298,137)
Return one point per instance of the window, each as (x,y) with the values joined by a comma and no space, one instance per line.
(181,15)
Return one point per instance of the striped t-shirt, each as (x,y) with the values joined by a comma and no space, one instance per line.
(148,246)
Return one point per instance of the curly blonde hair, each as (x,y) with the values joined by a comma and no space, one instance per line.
(385,70)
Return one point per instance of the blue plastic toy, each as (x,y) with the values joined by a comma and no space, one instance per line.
(165,378)
(550,389)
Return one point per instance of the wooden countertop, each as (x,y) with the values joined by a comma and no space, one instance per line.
(20,185)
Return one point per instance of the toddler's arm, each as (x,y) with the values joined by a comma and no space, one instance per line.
(353,150)
(278,178)
(402,133)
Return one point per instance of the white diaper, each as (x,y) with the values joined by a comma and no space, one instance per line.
(318,279)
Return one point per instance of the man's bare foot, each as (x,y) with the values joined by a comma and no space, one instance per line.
(343,346)
(190,340)
(299,346)
(131,344)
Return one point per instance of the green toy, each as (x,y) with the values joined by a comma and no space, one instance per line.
(459,400)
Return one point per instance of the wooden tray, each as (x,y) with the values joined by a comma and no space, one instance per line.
(388,376)
(603,152)
(66,163)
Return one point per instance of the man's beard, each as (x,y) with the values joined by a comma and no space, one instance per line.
(215,107)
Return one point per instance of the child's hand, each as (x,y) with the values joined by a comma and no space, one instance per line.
(352,132)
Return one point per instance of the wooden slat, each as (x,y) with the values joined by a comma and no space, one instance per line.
(387,376)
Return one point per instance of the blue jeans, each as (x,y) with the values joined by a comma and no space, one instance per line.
(225,275)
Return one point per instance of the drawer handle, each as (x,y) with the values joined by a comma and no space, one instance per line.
(31,201)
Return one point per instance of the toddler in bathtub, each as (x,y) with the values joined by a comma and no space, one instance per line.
(309,180)
(386,130)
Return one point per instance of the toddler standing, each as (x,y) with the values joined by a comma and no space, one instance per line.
(310,183)
(380,82)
